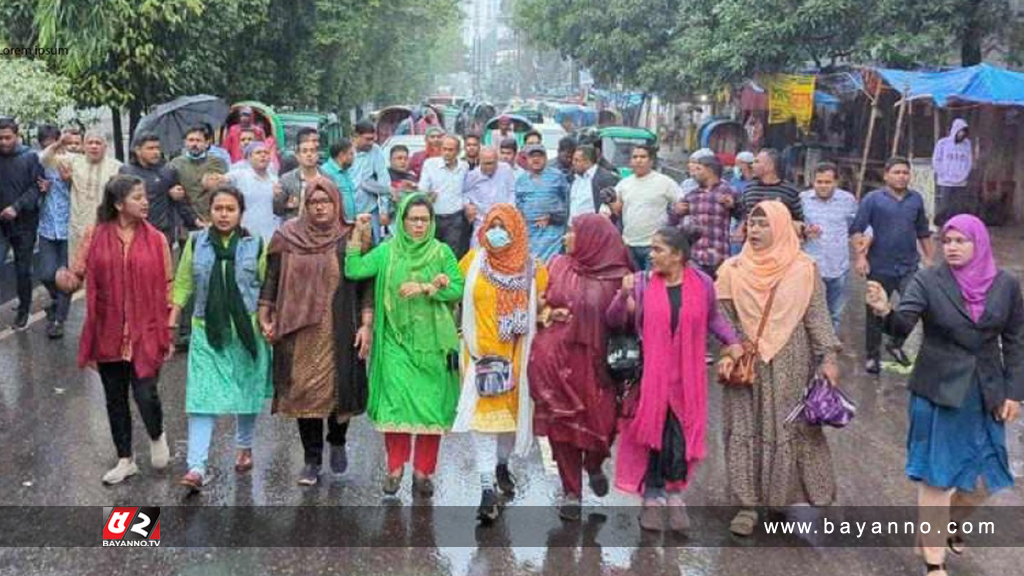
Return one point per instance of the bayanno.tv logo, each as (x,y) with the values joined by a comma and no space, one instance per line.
(137,526)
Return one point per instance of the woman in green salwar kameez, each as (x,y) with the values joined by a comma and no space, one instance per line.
(222,267)
(414,367)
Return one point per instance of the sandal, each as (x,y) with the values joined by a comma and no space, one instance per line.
(934,568)
(955,542)
(744,522)
(243,463)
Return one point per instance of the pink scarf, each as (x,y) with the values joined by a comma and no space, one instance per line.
(673,360)
(976,277)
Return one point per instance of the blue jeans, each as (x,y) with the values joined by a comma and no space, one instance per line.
(641,256)
(837,294)
(53,255)
(200,433)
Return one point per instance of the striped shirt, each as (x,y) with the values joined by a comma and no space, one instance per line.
(784,192)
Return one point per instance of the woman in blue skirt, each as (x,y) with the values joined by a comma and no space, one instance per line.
(967,382)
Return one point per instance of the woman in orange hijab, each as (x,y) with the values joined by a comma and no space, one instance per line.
(499,320)
(770,462)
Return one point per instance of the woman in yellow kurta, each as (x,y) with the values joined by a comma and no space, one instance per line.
(499,318)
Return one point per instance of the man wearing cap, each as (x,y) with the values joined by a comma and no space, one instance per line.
(743,171)
(691,184)
(443,178)
(434,136)
(542,195)
(233,141)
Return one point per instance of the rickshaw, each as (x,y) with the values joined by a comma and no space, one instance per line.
(388,120)
(530,114)
(575,115)
(479,114)
(616,144)
(725,136)
(520,126)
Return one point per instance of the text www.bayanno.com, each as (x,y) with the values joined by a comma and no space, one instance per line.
(860,529)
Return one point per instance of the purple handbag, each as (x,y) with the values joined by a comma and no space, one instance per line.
(823,404)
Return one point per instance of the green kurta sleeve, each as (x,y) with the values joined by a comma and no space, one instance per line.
(362,266)
(183,283)
(456,283)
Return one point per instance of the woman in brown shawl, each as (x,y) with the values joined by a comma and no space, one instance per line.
(310,311)
(574,396)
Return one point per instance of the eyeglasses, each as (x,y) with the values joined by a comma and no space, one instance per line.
(320,202)
(418,220)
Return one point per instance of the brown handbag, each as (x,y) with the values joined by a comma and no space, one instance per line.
(743,371)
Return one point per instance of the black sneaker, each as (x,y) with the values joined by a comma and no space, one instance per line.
(488,510)
(21,320)
(339,459)
(310,475)
(898,354)
(422,486)
(504,479)
(55,330)
(872,366)
(599,484)
(570,509)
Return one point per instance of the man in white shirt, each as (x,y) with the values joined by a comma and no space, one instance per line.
(444,178)
(643,203)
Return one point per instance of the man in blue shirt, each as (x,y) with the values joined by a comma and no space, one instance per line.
(54,217)
(828,213)
(897,218)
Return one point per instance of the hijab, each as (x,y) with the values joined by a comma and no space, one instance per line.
(975,278)
(427,329)
(599,251)
(306,250)
(506,269)
(748,279)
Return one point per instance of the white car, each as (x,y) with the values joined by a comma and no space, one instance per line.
(551,134)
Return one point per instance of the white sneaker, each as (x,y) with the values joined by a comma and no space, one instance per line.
(125,467)
(159,454)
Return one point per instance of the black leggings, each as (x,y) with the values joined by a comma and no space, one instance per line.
(117,377)
(311,431)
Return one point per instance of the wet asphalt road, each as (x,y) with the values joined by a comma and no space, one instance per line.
(55,445)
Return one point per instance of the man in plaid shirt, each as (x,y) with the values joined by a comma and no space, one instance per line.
(709,209)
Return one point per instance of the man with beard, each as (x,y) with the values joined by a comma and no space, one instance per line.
(337,168)
(198,171)
(370,164)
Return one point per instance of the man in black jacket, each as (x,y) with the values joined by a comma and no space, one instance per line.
(20,174)
(168,205)
(589,179)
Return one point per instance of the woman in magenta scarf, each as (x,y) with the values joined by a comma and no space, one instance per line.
(574,397)
(967,382)
(673,309)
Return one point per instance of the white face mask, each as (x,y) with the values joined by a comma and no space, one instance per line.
(498,237)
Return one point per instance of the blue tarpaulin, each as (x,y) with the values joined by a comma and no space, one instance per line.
(983,84)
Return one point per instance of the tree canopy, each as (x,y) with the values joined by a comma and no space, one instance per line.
(680,46)
(319,54)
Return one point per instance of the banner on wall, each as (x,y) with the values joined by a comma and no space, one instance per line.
(790,97)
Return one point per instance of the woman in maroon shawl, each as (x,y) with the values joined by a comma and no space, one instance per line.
(125,265)
(574,396)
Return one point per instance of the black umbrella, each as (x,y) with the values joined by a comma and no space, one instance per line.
(170,120)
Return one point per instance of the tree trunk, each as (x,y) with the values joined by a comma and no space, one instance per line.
(970,48)
(134,115)
(115,114)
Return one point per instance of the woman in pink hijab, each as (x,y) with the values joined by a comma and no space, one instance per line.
(967,382)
